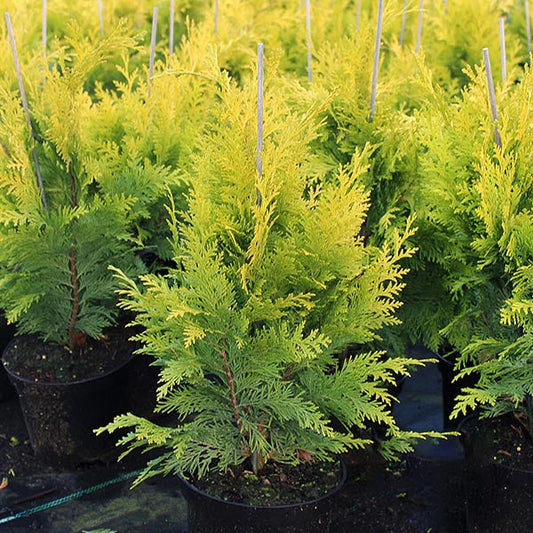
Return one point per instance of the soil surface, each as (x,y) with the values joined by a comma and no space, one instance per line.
(503,440)
(275,485)
(499,475)
(29,357)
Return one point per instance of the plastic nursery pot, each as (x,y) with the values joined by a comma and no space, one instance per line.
(440,485)
(6,334)
(60,417)
(450,388)
(209,514)
(498,496)
(141,390)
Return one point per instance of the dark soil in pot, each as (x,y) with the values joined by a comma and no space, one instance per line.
(276,484)
(282,499)
(29,358)
(65,396)
(499,475)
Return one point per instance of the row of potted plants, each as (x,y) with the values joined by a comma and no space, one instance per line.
(266,294)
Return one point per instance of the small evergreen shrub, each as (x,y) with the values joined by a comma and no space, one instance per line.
(272,282)
(99,189)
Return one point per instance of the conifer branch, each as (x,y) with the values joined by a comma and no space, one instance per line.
(74,275)
(26,107)
(73,195)
(5,148)
(287,375)
(76,301)
(231,386)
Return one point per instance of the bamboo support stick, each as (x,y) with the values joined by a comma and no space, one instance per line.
(101,17)
(152,48)
(171,29)
(528,28)
(358,17)
(308,27)
(492,96)
(216,16)
(375,70)
(25,106)
(404,19)
(502,49)
(419,28)
(260,113)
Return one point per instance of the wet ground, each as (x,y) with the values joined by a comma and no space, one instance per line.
(423,494)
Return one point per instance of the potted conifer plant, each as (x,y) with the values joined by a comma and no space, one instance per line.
(499,442)
(272,282)
(58,235)
(453,291)
(477,204)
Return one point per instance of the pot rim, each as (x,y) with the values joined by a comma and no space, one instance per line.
(24,379)
(334,490)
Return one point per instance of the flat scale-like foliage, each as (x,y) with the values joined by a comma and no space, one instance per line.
(502,189)
(106,174)
(272,282)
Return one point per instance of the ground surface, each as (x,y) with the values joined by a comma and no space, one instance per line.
(423,494)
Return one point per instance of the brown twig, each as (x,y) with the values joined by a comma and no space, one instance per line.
(75,300)
(504,452)
(287,375)
(34,496)
(74,276)
(231,385)
(6,149)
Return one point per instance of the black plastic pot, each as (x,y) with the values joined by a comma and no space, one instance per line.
(6,334)
(60,417)
(208,514)
(451,388)
(439,486)
(498,496)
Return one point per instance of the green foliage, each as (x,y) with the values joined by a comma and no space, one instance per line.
(453,290)
(272,282)
(106,174)
(455,34)
(342,85)
(503,356)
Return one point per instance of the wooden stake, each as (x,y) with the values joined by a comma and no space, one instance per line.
(171,29)
(152,49)
(216,16)
(502,49)
(419,29)
(101,17)
(25,106)
(260,99)
(492,96)
(308,26)
(358,16)
(375,71)
(404,19)
(528,28)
